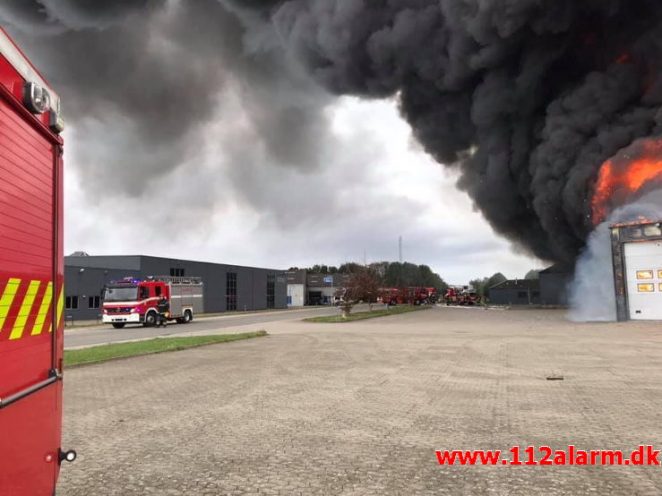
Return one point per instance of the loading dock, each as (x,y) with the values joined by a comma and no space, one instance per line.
(637,258)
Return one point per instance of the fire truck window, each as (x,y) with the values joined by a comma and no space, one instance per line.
(644,274)
(157,290)
(646,288)
(144,292)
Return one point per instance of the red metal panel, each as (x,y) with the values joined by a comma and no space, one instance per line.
(30,258)
(25,469)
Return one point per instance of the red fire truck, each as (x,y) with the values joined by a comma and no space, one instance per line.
(31,278)
(462,295)
(135,301)
(407,296)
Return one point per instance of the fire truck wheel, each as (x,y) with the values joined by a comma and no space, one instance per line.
(119,325)
(188,317)
(150,319)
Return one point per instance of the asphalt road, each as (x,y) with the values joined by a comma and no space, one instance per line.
(359,409)
(75,338)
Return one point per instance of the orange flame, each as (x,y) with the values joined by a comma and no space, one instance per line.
(625,175)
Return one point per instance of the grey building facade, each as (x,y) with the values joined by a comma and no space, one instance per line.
(313,288)
(516,292)
(554,284)
(226,287)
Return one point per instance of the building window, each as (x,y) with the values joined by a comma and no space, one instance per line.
(271,291)
(231,290)
(646,288)
(71,303)
(93,302)
(174,272)
(521,294)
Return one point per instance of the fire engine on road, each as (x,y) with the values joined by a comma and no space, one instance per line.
(135,301)
(31,278)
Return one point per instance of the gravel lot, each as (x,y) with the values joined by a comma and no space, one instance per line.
(358,409)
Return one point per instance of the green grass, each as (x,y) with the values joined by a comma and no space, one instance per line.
(332,319)
(96,354)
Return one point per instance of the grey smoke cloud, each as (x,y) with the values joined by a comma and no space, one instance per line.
(142,81)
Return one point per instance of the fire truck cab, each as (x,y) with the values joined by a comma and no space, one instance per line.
(31,278)
(135,301)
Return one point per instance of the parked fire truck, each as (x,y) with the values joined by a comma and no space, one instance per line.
(135,301)
(31,278)
(462,295)
(407,296)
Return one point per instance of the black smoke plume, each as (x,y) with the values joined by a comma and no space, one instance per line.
(525,98)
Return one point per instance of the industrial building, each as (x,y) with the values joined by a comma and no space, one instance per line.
(554,284)
(551,288)
(515,292)
(311,288)
(226,287)
(637,261)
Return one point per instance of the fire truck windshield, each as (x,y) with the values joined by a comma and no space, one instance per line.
(124,293)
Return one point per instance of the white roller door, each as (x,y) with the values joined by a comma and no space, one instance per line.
(643,265)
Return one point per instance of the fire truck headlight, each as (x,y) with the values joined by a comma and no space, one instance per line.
(36,98)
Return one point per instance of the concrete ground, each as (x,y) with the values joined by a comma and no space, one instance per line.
(359,409)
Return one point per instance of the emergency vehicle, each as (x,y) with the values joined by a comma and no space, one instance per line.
(135,301)
(462,295)
(31,278)
(407,296)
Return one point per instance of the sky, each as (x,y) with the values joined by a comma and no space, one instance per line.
(196,131)
(374,185)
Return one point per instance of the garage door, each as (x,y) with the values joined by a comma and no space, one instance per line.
(643,265)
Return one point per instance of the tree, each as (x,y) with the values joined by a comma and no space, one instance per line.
(497,278)
(363,285)
(532,274)
(483,285)
(398,274)
(349,268)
